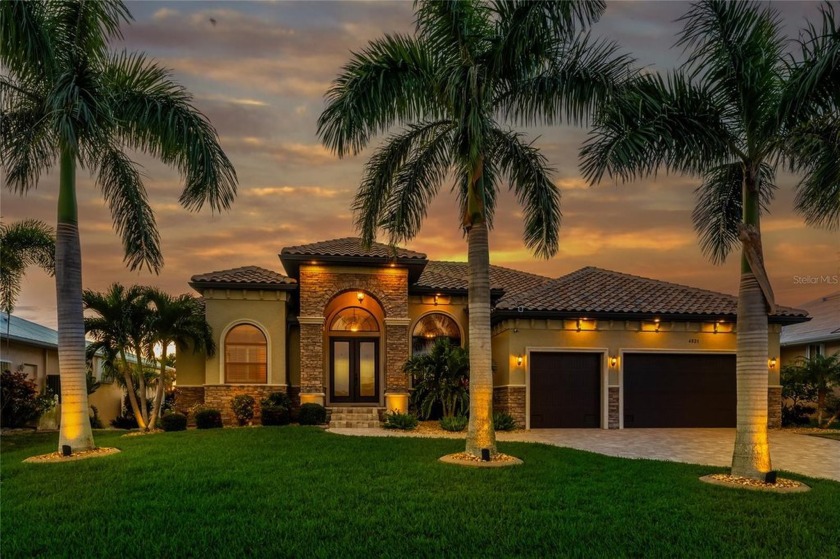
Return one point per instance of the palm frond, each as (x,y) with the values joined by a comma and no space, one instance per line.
(390,82)
(27,146)
(414,186)
(85,27)
(25,45)
(583,74)
(813,148)
(652,122)
(24,243)
(381,171)
(453,29)
(122,186)
(154,114)
(530,178)
(718,210)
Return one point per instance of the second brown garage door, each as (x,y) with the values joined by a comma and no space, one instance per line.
(679,390)
(565,389)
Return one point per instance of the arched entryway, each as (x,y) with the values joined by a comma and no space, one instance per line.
(353,332)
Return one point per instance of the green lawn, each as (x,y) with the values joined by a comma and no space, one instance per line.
(300,492)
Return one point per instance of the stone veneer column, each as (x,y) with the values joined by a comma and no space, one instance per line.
(613,408)
(774,407)
(396,353)
(312,360)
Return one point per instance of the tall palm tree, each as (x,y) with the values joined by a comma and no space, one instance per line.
(178,320)
(65,97)
(469,67)
(736,110)
(22,244)
(119,325)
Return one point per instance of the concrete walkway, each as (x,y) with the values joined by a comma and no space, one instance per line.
(810,456)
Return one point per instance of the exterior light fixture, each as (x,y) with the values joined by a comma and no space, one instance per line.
(772,362)
(485,454)
(519,360)
(360,296)
(436,298)
(577,323)
(716,328)
(66,450)
(613,361)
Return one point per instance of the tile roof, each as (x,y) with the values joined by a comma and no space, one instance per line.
(824,326)
(246,276)
(27,331)
(593,290)
(454,276)
(351,247)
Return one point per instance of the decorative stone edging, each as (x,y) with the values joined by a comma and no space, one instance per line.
(786,485)
(54,457)
(500,461)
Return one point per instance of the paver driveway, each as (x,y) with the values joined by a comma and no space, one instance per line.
(810,456)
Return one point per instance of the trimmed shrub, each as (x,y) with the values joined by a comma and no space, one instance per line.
(796,415)
(312,414)
(503,421)
(455,423)
(401,421)
(243,408)
(208,418)
(276,409)
(125,421)
(20,402)
(173,421)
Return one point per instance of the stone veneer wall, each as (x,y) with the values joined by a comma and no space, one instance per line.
(219,396)
(511,400)
(188,396)
(613,413)
(318,285)
(774,407)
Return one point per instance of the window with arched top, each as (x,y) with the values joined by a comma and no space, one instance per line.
(246,355)
(354,319)
(432,327)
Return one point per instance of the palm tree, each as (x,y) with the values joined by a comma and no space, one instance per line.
(22,244)
(120,326)
(178,320)
(735,111)
(469,67)
(440,376)
(65,97)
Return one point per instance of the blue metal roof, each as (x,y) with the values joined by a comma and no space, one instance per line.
(23,330)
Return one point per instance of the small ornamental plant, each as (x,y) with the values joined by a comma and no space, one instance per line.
(503,421)
(243,408)
(456,423)
(173,422)
(275,409)
(207,418)
(401,421)
(312,414)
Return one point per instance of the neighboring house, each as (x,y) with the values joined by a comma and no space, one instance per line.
(594,348)
(819,336)
(32,348)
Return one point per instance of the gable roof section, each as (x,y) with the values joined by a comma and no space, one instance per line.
(22,330)
(351,252)
(449,277)
(245,277)
(824,326)
(596,292)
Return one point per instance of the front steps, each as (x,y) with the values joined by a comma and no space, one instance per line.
(346,417)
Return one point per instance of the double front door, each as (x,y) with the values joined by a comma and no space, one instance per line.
(354,366)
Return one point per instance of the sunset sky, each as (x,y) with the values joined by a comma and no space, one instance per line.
(260,72)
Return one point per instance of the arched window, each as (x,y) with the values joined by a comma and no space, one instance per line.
(430,328)
(246,355)
(354,319)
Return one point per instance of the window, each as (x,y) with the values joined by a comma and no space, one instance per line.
(246,355)
(354,319)
(815,349)
(432,327)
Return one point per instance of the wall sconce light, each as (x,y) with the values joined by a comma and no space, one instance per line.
(436,298)
(656,323)
(716,328)
(519,360)
(613,361)
(360,296)
(577,323)
(772,362)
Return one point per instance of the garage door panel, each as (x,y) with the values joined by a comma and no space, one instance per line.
(679,390)
(565,389)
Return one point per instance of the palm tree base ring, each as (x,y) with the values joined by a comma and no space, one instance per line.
(782,485)
(498,460)
(77,455)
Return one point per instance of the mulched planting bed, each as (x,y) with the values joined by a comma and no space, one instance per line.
(498,460)
(78,455)
(782,485)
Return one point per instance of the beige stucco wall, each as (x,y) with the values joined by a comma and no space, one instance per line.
(190,366)
(226,308)
(513,338)
(293,355)
(108,402)
(38,362)
(790,353)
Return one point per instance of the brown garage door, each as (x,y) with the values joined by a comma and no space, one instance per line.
(565,390)
(679,390)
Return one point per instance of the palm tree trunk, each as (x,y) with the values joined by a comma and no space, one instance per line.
(75,428)
(158,401)
(751,457)
(141,385)
(821,392)
(132,397)
(480,432)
